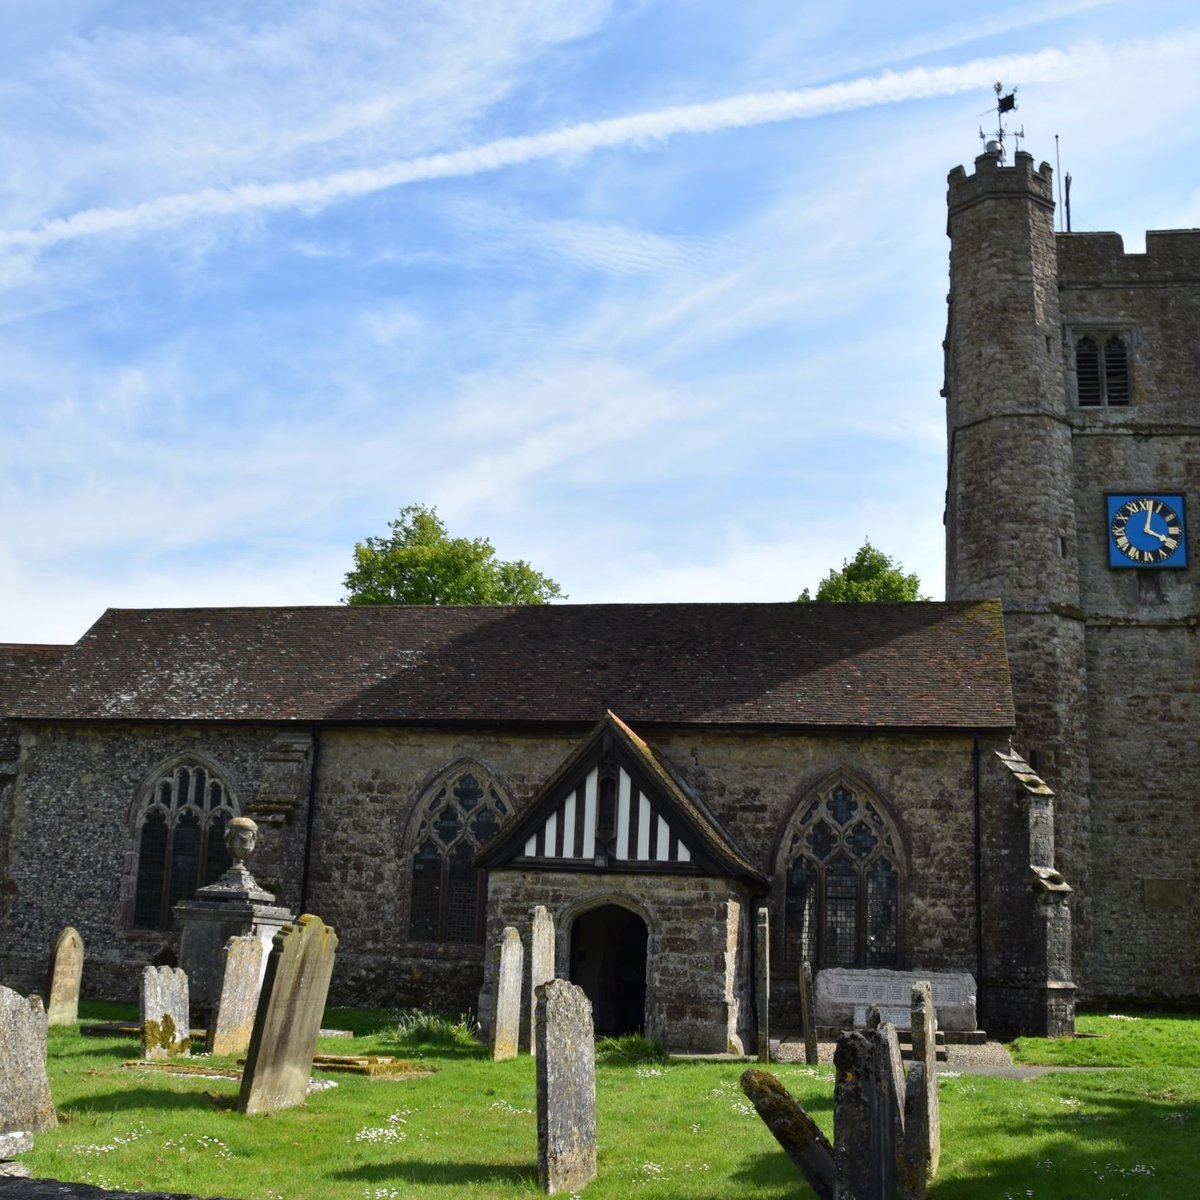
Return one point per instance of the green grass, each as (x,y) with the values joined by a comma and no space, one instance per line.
(1148,1040)
(667,1129)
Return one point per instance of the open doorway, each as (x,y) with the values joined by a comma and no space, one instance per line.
(608,960)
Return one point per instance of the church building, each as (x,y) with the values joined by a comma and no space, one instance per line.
(994,784)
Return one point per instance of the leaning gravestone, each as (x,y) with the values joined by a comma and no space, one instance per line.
(165,1016)
(793,1129)
(507,1025)
(922,1117)
(232,1023)
(66,972)
(289,1014)
(566,1087)
(25,1103)
(541,962)
(864,1118)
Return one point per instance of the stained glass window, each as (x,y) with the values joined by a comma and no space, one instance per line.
(180,840)
(841,867)
(457,814)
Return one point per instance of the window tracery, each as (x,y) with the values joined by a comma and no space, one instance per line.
(456,816)
(180,840)
(842,860)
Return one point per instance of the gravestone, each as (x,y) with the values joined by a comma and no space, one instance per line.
(232,1022)
(793,1129)
(762,947)
(566,1087)
(923,1093)
(66,973)
(25,1103)
(541,962)
(506,1032)
(914,1160)
(864,1118)
(845,995)
(808,1014)
(165,1014)
(288,1019)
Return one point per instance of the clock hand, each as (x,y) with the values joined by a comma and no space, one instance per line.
(1147,528)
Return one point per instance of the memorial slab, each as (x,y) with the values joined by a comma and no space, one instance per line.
(566,1087)
(25,1103)
(66,975)
(845,995)
(288,1019)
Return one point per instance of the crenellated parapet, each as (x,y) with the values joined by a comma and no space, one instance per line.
(1099,259)
(992,179)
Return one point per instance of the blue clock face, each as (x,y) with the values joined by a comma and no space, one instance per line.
(1146,529)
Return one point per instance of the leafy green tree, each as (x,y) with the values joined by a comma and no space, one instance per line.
(871,577)
(420,563)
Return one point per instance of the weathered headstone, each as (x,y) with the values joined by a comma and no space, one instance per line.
(808,1014)
(66,973)
(863,1118)
(793,1129)
(25,1103)
(541,962)
(232,1023)
(566,1087)
(288,1019)
(165,1013)
(924,1037)
(914,1159)
(506,1029)
(762,947)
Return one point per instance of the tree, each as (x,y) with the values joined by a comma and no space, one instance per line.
(871,577)
(420,563)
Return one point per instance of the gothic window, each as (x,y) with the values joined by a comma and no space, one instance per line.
(1102,370)
(458,813)
(180,840)
(841,863)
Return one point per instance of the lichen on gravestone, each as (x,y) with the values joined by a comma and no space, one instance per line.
(796,1132)
(25,1102)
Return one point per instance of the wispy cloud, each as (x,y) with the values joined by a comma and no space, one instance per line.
(736,112)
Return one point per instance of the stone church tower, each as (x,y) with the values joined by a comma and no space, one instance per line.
(1073,412)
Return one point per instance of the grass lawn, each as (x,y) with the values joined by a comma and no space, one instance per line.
(675,1129)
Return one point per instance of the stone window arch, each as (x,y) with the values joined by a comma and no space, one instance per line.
(842,864)
(455,815)
(1102,370)
(179,835)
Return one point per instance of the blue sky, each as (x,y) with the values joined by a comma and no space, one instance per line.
(650,293)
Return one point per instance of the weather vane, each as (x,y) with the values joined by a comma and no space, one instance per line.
(1004,104)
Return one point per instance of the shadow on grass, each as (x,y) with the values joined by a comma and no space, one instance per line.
(456,1174)
(151,1099)
(109,1050)
(421,1050)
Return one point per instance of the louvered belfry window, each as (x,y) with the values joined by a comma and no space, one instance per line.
(841,863)
(456,816)
(180,841)
(1102,370)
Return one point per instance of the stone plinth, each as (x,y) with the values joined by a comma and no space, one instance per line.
(25,1103)
(289,1014)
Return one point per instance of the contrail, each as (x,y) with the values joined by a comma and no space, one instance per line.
(737,112)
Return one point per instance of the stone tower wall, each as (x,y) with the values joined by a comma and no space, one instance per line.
(1010,504)
(1105,662)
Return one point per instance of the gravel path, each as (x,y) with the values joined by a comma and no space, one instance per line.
(989,1059)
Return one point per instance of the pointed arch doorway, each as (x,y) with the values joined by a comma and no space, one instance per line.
(608,960)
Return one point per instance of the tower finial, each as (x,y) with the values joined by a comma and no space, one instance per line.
(1004,104)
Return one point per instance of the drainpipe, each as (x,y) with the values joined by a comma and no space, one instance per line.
(975,771)
(309,819)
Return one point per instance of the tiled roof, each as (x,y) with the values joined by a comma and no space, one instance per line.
(919,665)
(20,667)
